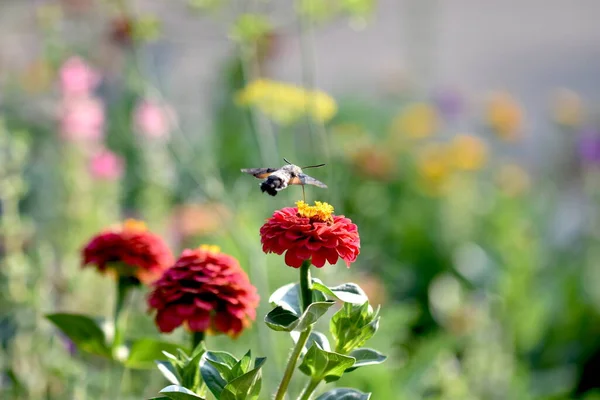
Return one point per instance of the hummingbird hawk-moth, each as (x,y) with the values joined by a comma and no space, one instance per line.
(276,179)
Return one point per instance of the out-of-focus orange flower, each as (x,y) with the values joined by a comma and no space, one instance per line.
(200,219)
(417,121)
(505,116)
(513,180)
(374,162)
(434,167)
(468,152)
(129,250)
(567,108)
(207,291)
(373,288)
(37,77)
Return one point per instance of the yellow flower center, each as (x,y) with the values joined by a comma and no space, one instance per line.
(321,211)
(211,248)
(134,225)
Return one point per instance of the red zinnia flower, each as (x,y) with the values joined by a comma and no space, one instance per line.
(208,291)
(129,250)
(310,232)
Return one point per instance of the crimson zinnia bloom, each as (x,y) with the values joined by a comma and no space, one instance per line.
(310,232)
(207,291)
(129,250)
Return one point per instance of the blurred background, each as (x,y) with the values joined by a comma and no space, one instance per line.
(461,137)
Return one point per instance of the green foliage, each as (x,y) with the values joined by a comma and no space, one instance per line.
(344,394)
(280,319)
(231,379)
(250,27)
(83,331)
(175,392)
(287,315)
(347,292)
(325,365)
(144,352)
(183,369)
(353,325)
(366,357)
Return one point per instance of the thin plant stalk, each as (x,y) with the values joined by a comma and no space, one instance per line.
(310,388)
(306,297)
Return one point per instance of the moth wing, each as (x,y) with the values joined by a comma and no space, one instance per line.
(260,173)
(304,179)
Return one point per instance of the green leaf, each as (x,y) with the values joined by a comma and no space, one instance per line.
(312,314)
(315,337)
(175,392)
(366,357)
(169,372)
(245,387)
(223,369)
(83,331)
(243,365)
(144,352)
(211,365)
(288,297)
(353,325)
(320,364)
(190,374)
(222,357)
(200,349)
(347,292)
(344,394)
(280,319)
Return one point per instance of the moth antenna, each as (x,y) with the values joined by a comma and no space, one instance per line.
(287,161)
(314,166)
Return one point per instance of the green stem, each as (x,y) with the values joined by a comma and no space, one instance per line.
(310,388)
(197,337)
(305,285)
(306,294)
(123,286)
(291,365)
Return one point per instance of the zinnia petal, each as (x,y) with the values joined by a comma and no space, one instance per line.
(207,291)
(318,236)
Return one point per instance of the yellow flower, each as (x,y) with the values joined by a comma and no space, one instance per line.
(513,180)
(417,121)
(321,211)
(567,108)
(505,116)
(434,167)
(134,225)
(285,103)
(468,152)
(211,248)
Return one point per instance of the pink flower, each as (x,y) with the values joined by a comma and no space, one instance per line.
(77,78)
(152,119)
(106,165)
(82,119)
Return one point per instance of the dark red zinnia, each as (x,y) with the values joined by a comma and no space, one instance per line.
(207,291)
(310,232)
(129,250)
